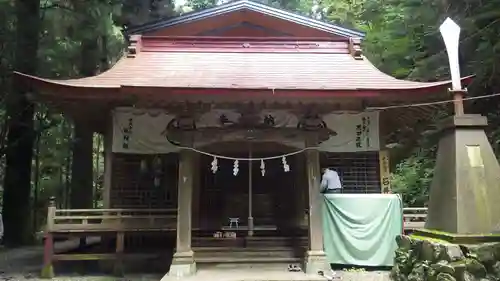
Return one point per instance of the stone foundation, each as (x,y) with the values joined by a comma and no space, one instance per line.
(419,259)
(183,265)
(315,261)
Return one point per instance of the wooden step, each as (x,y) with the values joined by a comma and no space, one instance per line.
(253,238)
(248,260)
(217,242)
(240,255)
(275,241)
(244,249)
(261,257)
(244,254)
(249,242)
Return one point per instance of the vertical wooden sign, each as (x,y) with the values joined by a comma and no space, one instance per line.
(385,174)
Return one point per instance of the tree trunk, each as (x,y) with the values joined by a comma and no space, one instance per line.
(67,171)
(82,165)
(81,168)
(20,137)
(97,168)
(36,174)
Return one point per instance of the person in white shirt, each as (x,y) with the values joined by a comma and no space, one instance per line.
(330,182)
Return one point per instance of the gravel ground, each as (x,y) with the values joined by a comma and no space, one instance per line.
(25,264)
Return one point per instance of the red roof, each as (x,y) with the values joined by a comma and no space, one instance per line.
(330,64)
(169,63)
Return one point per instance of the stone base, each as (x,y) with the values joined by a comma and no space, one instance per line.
(315,261)
(250,226)
(183,265)
(466,183)
(431,259)
(455,238)
(47,272)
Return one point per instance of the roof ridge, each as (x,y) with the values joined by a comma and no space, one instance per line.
(251,5)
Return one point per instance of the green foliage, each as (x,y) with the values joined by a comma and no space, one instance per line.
(198,5)
(64,27)
(412,179)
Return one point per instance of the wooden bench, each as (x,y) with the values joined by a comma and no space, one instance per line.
(414,218)
(101,222)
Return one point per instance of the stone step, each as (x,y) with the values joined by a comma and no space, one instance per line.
(260,267)
(253,272)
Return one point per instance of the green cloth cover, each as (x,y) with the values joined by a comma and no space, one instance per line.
(360,229)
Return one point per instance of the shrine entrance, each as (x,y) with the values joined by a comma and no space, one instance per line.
(259,195)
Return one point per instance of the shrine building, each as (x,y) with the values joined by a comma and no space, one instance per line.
(226,117)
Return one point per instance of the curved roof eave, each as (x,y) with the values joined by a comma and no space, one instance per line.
(46,84)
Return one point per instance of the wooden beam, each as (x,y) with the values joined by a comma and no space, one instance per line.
(100,256)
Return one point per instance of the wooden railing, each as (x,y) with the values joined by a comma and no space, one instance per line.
(100,222)
(110,220)
(125,220)
(414,218)
(104,220)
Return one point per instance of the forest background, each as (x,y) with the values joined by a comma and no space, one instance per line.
(42,154)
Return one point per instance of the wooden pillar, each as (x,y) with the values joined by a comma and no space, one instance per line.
(108,166)
(315,259)
(250,195)
(48,249)
(300,192)
(196,190)
(183,263)
(314,177)
(119,248)
(48,253)
(385,174)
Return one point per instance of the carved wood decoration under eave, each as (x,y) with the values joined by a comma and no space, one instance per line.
(355,48)
(134,46)
(245,124)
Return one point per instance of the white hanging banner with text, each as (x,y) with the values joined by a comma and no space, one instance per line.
(141,131)
(355,132)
